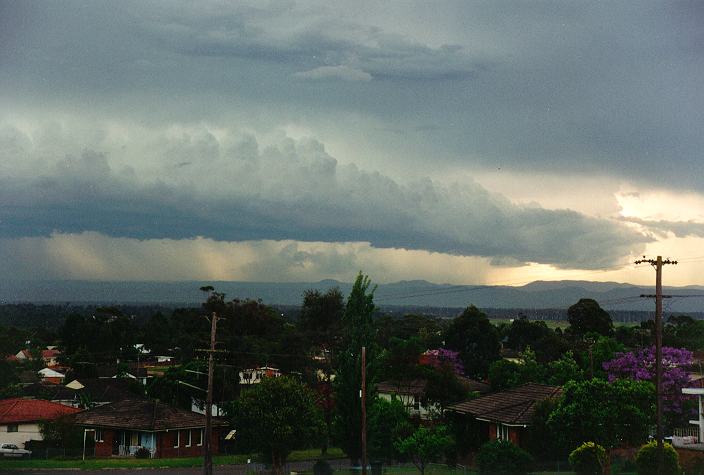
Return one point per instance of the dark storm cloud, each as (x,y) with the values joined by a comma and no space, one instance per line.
(558,87)
(293,190)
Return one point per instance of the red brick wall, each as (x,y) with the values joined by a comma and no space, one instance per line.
(514,435)
(104,448)
(492,431)
(167,440)
(691,460)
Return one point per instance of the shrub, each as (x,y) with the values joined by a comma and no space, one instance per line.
(503,457)
(588,459)
(322,467)
(646,460)
(142,453)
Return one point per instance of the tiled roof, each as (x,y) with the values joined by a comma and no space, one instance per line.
(514,406)
(142,415)
(474,385)
(30,410)
(411,387)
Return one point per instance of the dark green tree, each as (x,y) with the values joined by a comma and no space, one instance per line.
(275,417)
(358,331)
(387,422)
(501,457)
(611,414)
(321,315)
(586,316)
(476,339)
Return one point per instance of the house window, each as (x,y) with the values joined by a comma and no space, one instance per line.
(200,437)
(188,438)
(502,432)
(178,439)
(98,435)
(12,428)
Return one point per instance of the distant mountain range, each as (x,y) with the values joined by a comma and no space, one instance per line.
(415,293)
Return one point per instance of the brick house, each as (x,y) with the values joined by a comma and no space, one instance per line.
(506,414)
(121,428)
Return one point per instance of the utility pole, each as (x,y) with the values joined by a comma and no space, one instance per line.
(658,263)
(364,410)
(207,449)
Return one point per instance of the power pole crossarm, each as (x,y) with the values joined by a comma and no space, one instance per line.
(658,263)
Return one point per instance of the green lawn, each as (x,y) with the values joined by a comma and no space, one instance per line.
(92,464)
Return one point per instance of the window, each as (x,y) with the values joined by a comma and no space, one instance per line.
(200,437)
(12,428)
(188,438)
(178,439)
(502,432)
(98,435)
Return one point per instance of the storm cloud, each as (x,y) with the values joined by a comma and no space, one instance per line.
(291,189)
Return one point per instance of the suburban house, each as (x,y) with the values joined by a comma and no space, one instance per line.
(506,414)
(51,376)
(20,418)
(255,375)
(694,441)
(50,356)
(123,427)
(128,370)
(86,392)
(411,393)
(20,356)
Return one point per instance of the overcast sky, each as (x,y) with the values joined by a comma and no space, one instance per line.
(464,142)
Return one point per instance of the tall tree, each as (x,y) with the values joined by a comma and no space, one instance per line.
(477,340)
(321,315)
(586,316)
(358,332)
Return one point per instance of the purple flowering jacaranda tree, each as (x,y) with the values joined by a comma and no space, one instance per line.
(640,366)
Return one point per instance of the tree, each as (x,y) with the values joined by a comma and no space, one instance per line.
(476,339)
(426,445)
(275,417)
(387,422)
(563,370)
(540,439)
(588,459)
(321,315)
(586,316)
(61,433)
(610,414)
(443,388)
(504,374)
(640,366)
(646,460)
(502,457)
(358,332)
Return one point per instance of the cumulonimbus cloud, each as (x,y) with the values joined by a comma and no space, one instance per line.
(235,189)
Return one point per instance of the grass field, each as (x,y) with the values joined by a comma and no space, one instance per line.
(93,464)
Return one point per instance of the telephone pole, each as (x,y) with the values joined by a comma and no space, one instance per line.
(364,410)
(658,263)
(207,449)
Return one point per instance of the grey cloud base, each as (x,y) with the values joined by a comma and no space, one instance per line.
(240,190)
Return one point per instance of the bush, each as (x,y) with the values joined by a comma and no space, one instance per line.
(322,467)
(142,453)
(502,457)
(588,459)
(646,460)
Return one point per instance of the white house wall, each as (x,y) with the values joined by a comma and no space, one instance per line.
(25,432)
